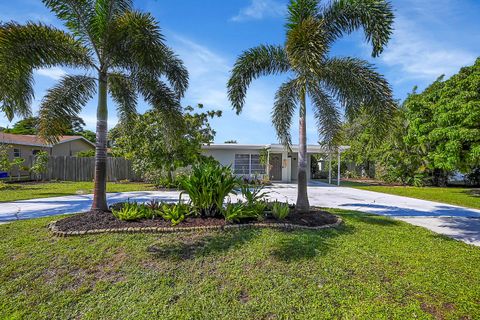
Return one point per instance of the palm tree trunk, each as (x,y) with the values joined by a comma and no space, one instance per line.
(100,192)
(302,196)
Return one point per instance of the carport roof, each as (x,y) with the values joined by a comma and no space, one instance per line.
(311,148)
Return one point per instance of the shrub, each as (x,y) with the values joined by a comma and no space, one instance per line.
(280,210)
(175,213)
(253,194)
(235,212)
(131,211)
(207,186)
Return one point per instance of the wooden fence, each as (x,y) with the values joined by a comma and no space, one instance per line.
(83,169)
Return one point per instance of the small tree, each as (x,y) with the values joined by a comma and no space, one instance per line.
(40,164)
(5,163)
(158,151)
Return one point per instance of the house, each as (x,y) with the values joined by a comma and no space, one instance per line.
(25,146)
(245,159)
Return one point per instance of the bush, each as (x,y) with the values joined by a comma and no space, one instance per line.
(175,213)
(132,211)
(236,212)
(207,186)
(253,194)
(280,210)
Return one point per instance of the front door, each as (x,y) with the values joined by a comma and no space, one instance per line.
(275,166)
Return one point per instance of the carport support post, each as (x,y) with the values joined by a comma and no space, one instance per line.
(338,173)
(330,167)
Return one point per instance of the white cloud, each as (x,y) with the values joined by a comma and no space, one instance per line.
(420,56)
(54,73)
(259,9)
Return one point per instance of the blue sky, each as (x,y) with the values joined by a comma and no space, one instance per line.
(431,37)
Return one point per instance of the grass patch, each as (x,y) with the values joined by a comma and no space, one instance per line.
(370,268)
(465,197)
(24,191)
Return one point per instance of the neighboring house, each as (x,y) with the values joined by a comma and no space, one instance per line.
(244,159)
(24,146)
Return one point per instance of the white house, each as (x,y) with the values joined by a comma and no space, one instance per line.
(244,159)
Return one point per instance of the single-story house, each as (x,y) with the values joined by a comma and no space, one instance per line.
(24,146)
(244,159)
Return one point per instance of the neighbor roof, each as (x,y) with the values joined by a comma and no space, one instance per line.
(32,140)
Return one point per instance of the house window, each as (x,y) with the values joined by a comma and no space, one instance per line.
(256,166)
(242,164)
(17,153)
(248,164)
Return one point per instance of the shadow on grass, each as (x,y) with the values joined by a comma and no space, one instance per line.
(301,245)
(192,245)
(373,219)
(288,246)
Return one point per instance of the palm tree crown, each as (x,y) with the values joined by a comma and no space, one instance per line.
(329,82)
(120,52)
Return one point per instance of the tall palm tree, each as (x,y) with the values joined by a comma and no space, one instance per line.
(329,82)
(119,52)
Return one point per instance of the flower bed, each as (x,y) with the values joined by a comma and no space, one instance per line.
(105,222)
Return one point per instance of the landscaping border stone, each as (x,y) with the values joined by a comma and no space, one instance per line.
(288,226)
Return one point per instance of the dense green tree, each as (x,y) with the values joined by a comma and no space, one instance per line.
(122,53)
(157,151)
(311,30)
(449,113)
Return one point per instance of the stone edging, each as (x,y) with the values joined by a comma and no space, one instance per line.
(54,229)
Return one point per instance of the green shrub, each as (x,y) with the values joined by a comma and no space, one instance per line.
(131,211)
(207,186)
(280,210)
(175,213)
(235,212)
(253,194)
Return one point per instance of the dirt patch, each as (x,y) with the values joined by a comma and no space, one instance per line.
(105,220)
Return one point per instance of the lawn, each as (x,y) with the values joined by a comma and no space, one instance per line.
(370,268)
(465,197)
(23,191)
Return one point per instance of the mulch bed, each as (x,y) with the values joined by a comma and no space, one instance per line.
(105,220)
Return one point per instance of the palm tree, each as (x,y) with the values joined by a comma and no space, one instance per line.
(119,52)
(329,82)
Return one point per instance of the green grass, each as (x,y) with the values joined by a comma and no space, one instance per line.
(370,268)
(466,197)
(23,191)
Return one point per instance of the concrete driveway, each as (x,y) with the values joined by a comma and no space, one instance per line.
(456,222)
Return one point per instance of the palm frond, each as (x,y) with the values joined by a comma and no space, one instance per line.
(307,45)
(157,94)
(172,67)
(299,10)
(78,16)
(261,60)
(124,94)
(374,16)
(24,48)
(105,12)
(286,100)
(62,103)
(357,85)
(326,113)
(138,46)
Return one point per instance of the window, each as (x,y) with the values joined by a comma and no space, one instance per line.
(248,164)
(242,164)
(17,153)
(34,152)
(256,166)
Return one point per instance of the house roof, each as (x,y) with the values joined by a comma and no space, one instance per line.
(272,147)
(32,140)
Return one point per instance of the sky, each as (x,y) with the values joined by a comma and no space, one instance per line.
(431,38)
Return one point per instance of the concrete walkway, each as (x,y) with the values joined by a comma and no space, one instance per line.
(456,222)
